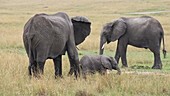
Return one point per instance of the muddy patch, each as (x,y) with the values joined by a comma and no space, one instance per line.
(140,67)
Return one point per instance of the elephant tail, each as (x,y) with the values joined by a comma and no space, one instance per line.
(164,50)
(29,49)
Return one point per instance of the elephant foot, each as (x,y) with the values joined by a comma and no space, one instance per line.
(124,66)
(157,67)
(56,77)
(38,76)
(71,72)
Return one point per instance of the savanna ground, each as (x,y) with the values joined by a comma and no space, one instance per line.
(14,80)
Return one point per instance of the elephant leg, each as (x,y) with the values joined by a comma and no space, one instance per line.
(58,66)
(74,64)
(74,67)
(157,59)
(103,72)
(71,70)
(117,55)
(31,68)
(154,46)
(34,69)
(40,68)
(73,56)
(122,48)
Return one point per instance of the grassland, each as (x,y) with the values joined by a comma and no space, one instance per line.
(14,80)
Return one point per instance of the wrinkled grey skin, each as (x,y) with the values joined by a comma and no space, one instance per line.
(50,36)
(143,32)
(98,63)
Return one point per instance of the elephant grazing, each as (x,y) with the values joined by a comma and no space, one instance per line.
(50,36)
(98,63)
(143,32)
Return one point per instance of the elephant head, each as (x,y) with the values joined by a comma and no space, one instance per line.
(111,32)
(110,63)
(81,27)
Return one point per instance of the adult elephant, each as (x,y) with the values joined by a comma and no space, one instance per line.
(143,32)
(50,36)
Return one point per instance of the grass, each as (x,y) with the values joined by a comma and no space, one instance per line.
(14,80)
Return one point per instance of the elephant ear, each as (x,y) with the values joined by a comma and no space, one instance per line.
(106,62)
(81,27)
(119,28)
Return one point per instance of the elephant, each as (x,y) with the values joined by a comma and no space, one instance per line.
(49,36)
(97,63)
(142,32)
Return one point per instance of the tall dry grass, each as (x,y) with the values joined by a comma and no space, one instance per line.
(14,78)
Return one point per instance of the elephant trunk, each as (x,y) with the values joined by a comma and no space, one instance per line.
(115,66)
(118,70)
(102,42)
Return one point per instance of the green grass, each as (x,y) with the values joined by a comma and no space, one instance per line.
(14,80)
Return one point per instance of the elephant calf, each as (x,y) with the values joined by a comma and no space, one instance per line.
(98,63)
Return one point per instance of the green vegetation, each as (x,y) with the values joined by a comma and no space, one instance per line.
(137,80)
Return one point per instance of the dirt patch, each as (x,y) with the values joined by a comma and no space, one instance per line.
(140,67)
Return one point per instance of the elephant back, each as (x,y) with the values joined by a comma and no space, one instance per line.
(47,35)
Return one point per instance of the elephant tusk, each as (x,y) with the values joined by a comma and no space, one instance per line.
(103,46)
(77,48)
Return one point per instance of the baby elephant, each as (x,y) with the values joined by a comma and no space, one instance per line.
(98,63)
